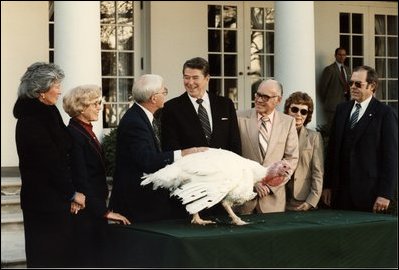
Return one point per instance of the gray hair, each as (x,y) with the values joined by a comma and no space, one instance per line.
(279,85)
(77,99)
(38,78)
(146,86)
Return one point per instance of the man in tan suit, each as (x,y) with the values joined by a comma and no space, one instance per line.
(279,141)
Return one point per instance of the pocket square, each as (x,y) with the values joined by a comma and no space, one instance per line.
(224,118)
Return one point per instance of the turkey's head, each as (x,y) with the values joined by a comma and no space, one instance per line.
(276,173)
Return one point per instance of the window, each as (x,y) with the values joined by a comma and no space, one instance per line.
(352,38)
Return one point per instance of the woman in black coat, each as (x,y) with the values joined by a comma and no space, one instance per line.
(43,145)
(83,104)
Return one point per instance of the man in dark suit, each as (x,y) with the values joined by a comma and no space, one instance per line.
(361,164)
(138,152)
(181,124)
(333,87)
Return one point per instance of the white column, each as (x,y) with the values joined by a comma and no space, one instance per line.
(295,49)
(77,47)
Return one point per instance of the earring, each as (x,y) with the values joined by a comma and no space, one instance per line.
(43,96)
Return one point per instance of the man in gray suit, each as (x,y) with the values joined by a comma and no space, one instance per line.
(333,87)
(279,142)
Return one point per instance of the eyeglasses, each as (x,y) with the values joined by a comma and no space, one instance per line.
(263,97)
(294,109)
(357,83)
(165,92)
(97,103)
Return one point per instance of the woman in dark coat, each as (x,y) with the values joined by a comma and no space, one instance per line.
(83,104)
(43,145)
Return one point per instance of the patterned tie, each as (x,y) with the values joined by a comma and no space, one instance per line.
(156,132)
(263,136)
(355,115)
(203,117)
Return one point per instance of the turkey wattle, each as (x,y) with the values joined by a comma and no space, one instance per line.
(204,179)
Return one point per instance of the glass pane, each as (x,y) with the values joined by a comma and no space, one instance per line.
(107,12)
(380,94)
(379,24)
(344,22)
(393,46)
(357,23)
(125,12)
(348,61)
(214,41)
(108,64)
(122,108)
(125,90)
(125,38)
(392,68)
(215,66)
(357,61)
(126,64)
(357,45)
(230,89)
(379,46)
(51,11)
(269,42)
(392,25)
(230,17)
(214,16)
(270,19)
(256,65)
(257,17)
(230,41)
(108,39)
(380,67)
(109,116)
(109,90)
(344,41)
(215,86)
(393,89)
(394,105)
(256,42)
(51,56)
(255,81)
(230,65)
(51,35)
(270,66)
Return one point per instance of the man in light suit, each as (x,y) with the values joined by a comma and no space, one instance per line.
(282,145)
(362,156)
(333,87)
(138,152)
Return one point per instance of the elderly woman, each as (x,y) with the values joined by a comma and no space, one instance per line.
(43,145)
(305,187)
(83,104)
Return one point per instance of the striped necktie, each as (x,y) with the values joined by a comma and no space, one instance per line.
(156,132)
(355,115)
(263,136)
(204,119)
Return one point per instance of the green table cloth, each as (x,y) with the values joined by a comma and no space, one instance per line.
(321,238)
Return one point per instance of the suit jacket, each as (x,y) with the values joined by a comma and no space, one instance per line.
(332,88)
(373,154)
(306,184)
(181,127)
(283,144)
(137,153)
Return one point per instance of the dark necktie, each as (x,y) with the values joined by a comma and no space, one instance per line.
(343,73)
(204,119)
(346,85)
(355,115)
(156,132)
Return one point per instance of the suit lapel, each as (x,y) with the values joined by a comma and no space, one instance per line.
(366,119)
(145,119)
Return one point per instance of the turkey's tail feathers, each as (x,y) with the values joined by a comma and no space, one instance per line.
(169,177)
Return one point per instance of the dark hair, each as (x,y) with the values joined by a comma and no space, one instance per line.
(339,49)
(372,76)
(197,63)
(303,99)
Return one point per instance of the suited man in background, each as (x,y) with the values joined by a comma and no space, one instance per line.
(282,144)
(362,156)
(183,123)
(138,151)
(333,87)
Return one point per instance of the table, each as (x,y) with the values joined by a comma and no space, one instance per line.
(320,238)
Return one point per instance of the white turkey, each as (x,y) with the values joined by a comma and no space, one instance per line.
(204,179)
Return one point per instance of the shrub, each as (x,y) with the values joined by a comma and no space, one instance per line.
(109,148)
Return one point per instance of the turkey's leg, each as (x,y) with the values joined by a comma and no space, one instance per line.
(234,218)
(198,220)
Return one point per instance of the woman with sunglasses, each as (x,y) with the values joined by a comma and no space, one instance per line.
(305,187)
